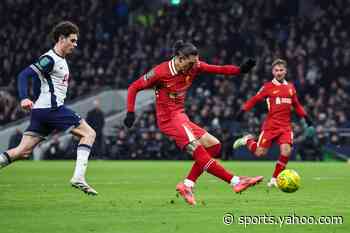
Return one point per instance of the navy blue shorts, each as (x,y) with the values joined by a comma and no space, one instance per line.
(44,121)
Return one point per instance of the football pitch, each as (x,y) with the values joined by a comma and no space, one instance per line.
(139,196)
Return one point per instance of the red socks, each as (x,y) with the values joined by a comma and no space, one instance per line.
(205,163)
(196,169)
(252,145)
(195,172)
(281,165)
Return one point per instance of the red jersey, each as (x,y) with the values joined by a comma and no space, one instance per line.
(171,87)
(280,99)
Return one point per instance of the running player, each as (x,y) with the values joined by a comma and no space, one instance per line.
(48,112)
(171,80)
(281,98)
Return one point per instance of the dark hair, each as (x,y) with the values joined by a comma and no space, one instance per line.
(64,28)
(279,62)
(186,49)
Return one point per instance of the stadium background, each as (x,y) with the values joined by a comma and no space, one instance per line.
(120,40)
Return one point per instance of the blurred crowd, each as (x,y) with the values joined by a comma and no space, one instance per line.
(120,40)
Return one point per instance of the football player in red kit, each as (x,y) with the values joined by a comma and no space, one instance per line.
(281,98)
(171,80)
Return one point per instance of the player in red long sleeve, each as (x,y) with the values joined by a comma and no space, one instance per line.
(171,80)
(281,98)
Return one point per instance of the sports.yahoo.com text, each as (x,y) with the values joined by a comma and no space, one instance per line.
(229,219)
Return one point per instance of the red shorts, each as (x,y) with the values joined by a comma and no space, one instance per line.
(282,136)
(181,130)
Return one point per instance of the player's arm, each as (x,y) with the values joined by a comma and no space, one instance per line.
(250,103)
(226,69)
(260,96)
(146,81)
(299,109)
(43,65)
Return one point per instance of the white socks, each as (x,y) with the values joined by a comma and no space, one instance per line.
(189,183)
(235,180)
(83,152)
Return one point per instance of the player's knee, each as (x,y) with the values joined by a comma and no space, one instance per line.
(260,152)
(286,151)
(215,150)
(90,134)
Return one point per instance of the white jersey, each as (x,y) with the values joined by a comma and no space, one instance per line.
(53,73)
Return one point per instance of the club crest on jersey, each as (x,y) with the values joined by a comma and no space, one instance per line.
(188,79)
(148,75)
(290,91)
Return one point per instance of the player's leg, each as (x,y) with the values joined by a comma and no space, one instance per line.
(213,147)
(174,130)
(210,165)
(34,134)
(285,141)
(87,137)
(22,151)
(64,119)
(211,144)
(258,148)
(191,131)
(198,148)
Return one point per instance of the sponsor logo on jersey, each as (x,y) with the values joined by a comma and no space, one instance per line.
(275,92)
(283,100)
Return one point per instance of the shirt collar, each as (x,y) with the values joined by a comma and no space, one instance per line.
(277,83)
(171,64)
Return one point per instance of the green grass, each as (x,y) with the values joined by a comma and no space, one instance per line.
(140,197)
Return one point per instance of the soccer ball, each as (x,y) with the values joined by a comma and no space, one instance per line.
(288,181)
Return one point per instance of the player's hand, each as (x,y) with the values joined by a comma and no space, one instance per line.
(129,119)
(308,125)
(306,122)
(247,65)
(27,104)
(309,121)
(310,132)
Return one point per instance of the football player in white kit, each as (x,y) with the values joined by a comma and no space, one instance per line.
(50,75)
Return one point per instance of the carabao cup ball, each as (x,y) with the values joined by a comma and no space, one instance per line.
(288,181)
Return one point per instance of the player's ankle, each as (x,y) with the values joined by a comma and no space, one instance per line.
(235,180)
(189,183)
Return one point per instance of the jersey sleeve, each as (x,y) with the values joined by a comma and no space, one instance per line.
(44,64)
(146,81)
(260,96)
(22,82)
(204,67)
(299,109)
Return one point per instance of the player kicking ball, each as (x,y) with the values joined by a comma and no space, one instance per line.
(281,98)
(50,75)
(171,80)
